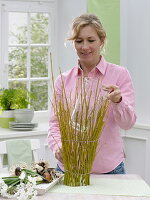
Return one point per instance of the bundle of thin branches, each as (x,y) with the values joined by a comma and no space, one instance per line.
(80,130)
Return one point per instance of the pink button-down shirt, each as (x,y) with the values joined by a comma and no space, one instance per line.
(120,116)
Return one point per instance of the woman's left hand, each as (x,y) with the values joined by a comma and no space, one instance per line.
(114,93)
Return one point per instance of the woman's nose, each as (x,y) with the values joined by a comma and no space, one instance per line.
(85,45)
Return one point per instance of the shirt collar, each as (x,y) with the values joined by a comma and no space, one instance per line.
(101,67)
(79,69)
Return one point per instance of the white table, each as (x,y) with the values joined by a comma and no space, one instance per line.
(69,196)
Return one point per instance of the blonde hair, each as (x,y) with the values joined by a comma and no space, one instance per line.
(85,20)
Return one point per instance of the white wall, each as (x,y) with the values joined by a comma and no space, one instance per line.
(135,55)
(135,51)
(67,10)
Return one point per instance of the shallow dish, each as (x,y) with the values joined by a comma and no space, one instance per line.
(44,187)
(23,125)
(21,129)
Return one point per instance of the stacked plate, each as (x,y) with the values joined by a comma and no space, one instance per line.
(22,126)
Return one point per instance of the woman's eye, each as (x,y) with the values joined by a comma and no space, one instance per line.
(91,40)
(78,41)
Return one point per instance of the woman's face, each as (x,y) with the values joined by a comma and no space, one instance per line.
(88,45)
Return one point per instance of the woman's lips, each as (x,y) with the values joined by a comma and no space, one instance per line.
(86,53)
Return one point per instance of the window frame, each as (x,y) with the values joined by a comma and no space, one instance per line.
(48,6)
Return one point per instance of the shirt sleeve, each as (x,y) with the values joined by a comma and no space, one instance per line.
(124,112)
(54,138)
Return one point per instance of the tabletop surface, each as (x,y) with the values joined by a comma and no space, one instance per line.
(83,196)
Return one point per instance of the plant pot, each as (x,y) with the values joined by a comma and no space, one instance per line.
(5,117)
(23,115)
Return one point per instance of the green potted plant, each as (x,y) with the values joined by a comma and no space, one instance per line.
(22,98)
(6,107)
(21,113)
(11,99)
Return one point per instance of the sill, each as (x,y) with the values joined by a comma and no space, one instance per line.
(6,133)
(142,126)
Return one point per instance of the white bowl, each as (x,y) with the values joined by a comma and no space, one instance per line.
(23,115)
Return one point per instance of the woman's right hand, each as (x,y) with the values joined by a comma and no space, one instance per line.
(58,155)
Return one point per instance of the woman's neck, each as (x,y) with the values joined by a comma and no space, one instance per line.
(87,67)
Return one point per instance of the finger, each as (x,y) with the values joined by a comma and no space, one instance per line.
(110,88)
(115,98)
(115,93)
(59,157)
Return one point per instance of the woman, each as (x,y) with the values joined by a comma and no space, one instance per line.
(89,37)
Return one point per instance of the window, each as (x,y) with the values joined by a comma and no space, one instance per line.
(27,38)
